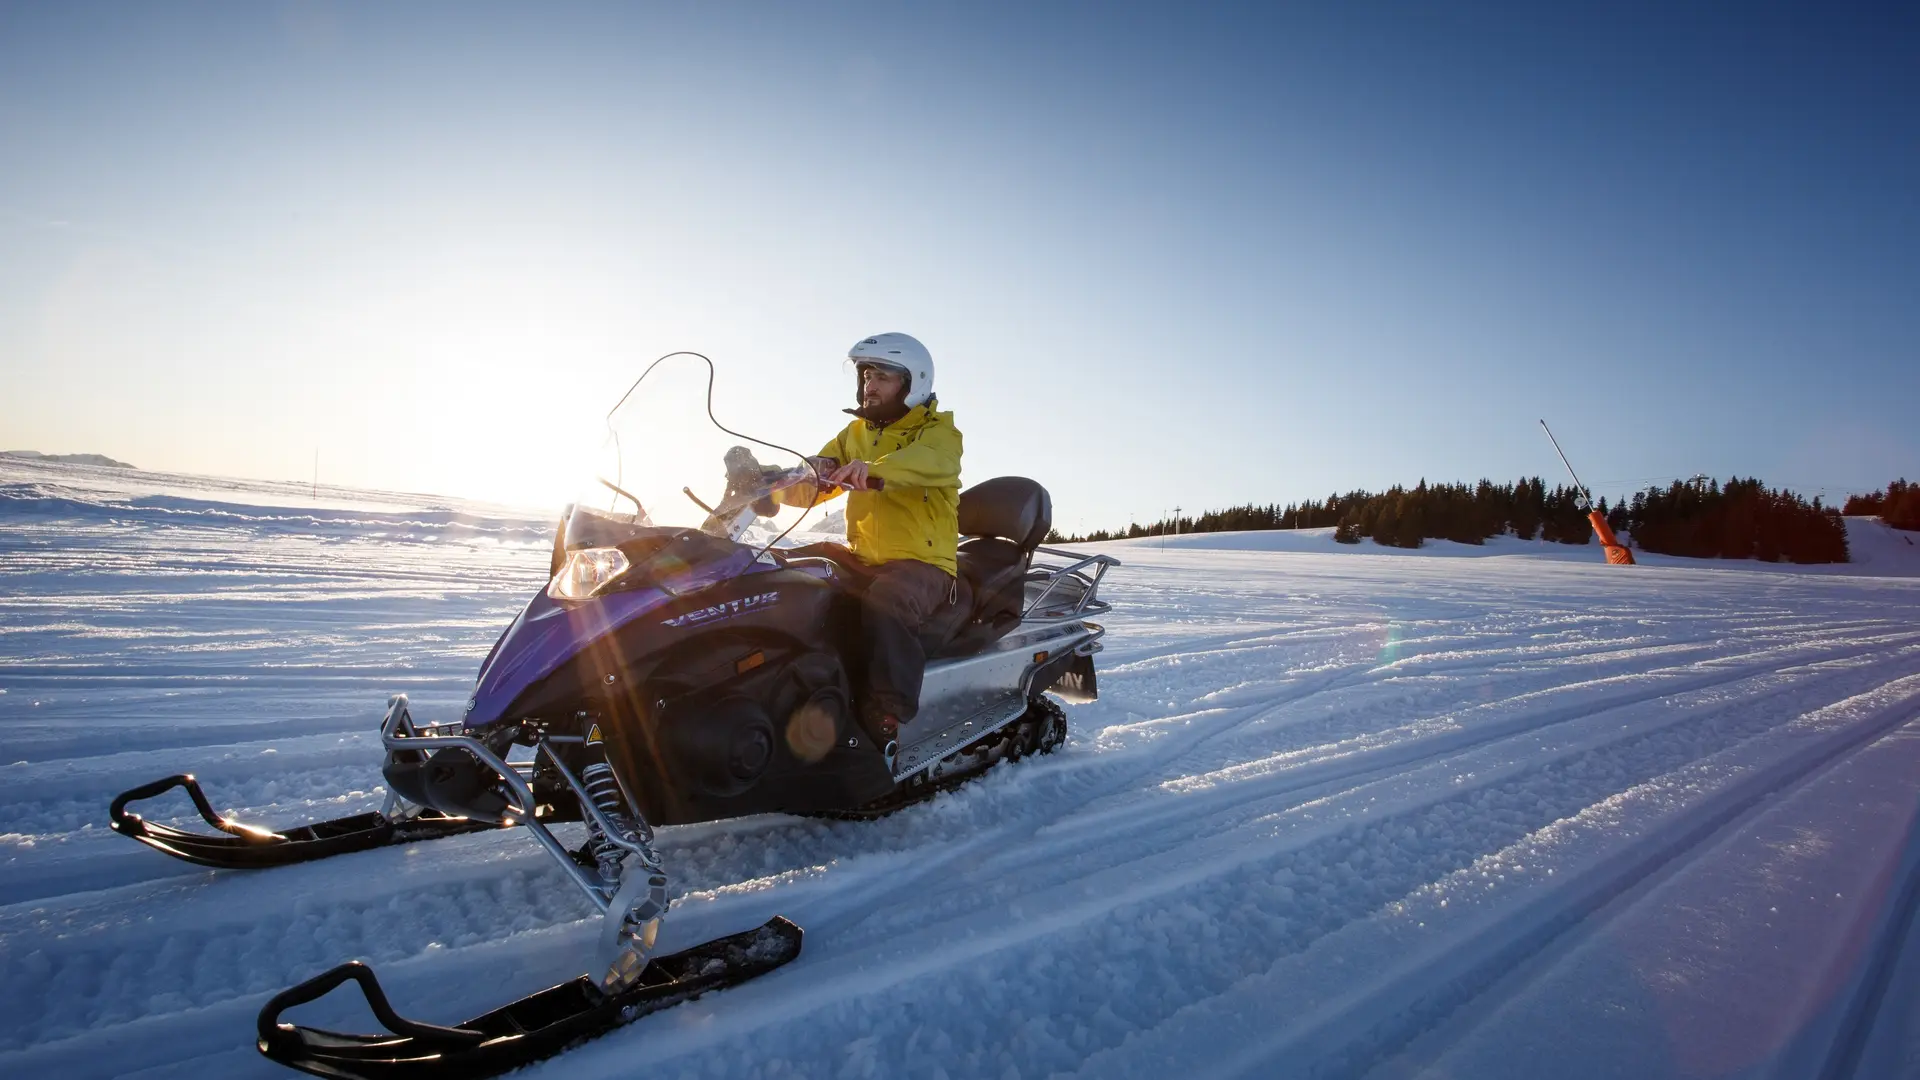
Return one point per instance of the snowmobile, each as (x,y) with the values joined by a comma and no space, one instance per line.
(685,663)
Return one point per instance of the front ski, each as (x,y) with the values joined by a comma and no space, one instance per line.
(241,847)
(535,1027)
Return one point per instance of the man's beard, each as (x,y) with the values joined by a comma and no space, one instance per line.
(883,413)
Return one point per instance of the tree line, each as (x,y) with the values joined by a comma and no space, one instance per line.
(1898,506)
(1738,520)
(1744,519)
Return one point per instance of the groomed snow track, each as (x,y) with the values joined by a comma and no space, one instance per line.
(1334,815)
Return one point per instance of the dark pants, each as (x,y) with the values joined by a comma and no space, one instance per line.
(900,600)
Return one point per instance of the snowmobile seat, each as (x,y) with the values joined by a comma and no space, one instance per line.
(938,631)
(1008,508)
(1003,519)
(949,620)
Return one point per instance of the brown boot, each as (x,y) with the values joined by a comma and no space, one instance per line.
(883,725)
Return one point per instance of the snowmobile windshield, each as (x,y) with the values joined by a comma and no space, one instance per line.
(667,465)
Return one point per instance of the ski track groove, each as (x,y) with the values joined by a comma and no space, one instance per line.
(1887,950)
(1411,1015)
(1322,775)
(1402,1004)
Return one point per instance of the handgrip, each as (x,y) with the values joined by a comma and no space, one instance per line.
(873,483)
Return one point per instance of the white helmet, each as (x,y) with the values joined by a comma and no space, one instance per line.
(902,353)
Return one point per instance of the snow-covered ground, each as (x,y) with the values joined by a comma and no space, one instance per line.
(1339,812)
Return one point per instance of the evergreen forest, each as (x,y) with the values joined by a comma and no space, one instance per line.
(1898,506)
(1741,519)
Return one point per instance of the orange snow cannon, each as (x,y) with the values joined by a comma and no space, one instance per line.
(1617,553)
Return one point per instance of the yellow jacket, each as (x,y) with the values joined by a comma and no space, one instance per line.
(917,514)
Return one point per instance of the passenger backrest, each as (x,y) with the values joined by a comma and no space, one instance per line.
(1004,519)
(1009,507)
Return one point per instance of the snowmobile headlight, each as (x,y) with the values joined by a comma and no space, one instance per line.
(586,572)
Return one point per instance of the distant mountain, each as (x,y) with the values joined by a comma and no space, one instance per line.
(68,459)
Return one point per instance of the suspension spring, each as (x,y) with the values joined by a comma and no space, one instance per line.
(604,789)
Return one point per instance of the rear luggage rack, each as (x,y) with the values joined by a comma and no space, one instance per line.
(1074,591)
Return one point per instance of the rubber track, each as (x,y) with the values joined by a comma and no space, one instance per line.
(1031,734)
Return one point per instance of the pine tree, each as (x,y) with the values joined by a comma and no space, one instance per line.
(1386,523)
(1412,526)
(1523,516)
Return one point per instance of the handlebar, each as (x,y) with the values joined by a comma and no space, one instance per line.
(805,475)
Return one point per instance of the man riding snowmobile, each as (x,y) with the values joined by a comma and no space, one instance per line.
(906,530)
(680,666)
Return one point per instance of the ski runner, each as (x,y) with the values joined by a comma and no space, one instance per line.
(906,530)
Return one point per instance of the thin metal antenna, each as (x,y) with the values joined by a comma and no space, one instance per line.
(1617,552)
(1564,461)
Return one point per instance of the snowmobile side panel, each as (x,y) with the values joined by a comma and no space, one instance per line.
(818,759)
(247,847)
(618,659)
(666,687)
(521,1032)
(966,698)
(549,633)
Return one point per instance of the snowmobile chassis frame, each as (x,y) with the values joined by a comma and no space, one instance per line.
(999,684)
(999,681)
(398,732)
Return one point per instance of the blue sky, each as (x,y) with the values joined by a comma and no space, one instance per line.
(1188,254)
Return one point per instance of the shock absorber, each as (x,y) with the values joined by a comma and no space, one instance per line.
(634,914)
(604,789)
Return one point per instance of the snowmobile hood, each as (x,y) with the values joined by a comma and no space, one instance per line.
(548,633)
